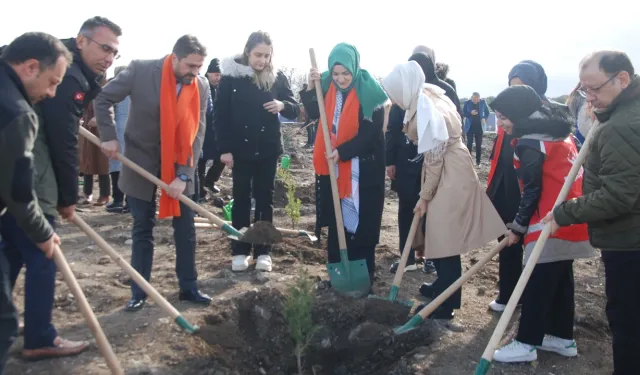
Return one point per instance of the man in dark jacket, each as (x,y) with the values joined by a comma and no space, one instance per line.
(610,204)
(209,178)
(442,71)
(31,67)
(56,165)
(476,113)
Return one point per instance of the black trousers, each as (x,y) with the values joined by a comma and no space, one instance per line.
(103,182)
(211,176)
(8,315)
(354,250)
(475,132)
(622,286)
(259,175)
(407,199)
(509,270)
(118,195)
(449,270)
(311,134)
(548,305)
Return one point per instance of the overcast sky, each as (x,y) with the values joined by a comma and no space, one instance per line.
(480,40)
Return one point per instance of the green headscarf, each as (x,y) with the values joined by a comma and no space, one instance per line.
(369,92)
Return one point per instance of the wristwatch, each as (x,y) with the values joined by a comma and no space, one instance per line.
(184,177)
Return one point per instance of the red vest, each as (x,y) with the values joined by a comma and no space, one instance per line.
(559,158)
(495,155)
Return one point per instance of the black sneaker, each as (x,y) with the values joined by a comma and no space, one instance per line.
(428,267)
(115,207)
(407,267)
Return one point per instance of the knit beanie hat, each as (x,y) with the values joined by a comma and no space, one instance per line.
(214,66)
(517,103)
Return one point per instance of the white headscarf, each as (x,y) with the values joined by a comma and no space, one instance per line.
(405,86)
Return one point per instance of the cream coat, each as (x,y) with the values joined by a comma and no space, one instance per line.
(460,216)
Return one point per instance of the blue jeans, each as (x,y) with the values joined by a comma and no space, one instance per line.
(184,234)
(40,282)
(8,319)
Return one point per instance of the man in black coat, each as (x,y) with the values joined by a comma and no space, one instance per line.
(56,165)
(31,68)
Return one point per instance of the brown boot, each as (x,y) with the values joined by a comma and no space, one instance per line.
(60,348)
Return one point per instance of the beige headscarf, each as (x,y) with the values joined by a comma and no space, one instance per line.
(405,86)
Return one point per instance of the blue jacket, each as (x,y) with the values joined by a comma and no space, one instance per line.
(483,108)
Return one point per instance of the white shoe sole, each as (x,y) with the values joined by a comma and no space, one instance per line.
(565,352)
(497,307)
(239,268)
(263,267)
(519,359)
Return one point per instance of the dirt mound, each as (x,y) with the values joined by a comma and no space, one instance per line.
(351,337)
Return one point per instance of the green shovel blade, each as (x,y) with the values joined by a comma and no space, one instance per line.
(483,367)
(350,277)
(410,325)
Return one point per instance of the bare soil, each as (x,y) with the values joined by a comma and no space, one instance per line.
(244,331)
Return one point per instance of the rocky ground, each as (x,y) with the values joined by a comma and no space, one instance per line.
(244,331)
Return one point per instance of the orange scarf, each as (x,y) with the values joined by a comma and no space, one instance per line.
(179,121)
(347,129)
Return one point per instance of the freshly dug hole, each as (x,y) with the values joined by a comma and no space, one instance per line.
(352,336)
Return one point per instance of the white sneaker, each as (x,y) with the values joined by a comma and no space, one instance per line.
(240,263)
(497,307)
(264,263)
(516,352)
(567,348)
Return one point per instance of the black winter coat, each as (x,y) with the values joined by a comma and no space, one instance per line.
(402,153)
(243,127)
(368,146)
(210,144)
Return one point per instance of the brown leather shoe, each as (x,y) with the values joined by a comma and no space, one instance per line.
(60,348)
(102,201)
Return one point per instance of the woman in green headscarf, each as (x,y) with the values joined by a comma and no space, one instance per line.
(355,106)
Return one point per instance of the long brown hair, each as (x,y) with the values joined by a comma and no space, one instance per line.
(267,77)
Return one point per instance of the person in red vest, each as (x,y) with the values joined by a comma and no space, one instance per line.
(502,184)
(544,152)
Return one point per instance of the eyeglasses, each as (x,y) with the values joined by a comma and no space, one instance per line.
(106,48)
(584,91)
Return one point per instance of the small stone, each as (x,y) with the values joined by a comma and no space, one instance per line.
(261,370)
(419,356)
(69,296)
(262,312)
(482,291)
(163,320)
(262,277)
(104,260)
(128,242)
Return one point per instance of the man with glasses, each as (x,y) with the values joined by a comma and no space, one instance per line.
(55,159)
(611,201)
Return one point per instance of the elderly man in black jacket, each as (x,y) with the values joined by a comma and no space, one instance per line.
(31,68)
(56,165)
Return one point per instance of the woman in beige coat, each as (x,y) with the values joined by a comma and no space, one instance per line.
(459,215)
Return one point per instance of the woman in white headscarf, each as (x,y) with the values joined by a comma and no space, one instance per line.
(459,215)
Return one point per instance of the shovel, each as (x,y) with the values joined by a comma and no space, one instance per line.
(487,356)
(233,233)
(350,277)
(135,276)
(85,309)
(204,223)
(397,279)
(439,300)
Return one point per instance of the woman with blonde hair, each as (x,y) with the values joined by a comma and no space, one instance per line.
(459,215)
(251,94)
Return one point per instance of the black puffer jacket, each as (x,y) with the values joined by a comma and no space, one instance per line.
(244,128)
(556,126)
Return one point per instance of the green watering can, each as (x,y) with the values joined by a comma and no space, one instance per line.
(226,209)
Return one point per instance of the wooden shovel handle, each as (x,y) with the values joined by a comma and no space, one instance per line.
(87,313)
(533,258)
(342,240)
(397,279)
(442,297)
(135,276)
(158,182)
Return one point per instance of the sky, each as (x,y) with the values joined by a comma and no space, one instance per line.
(480,40)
